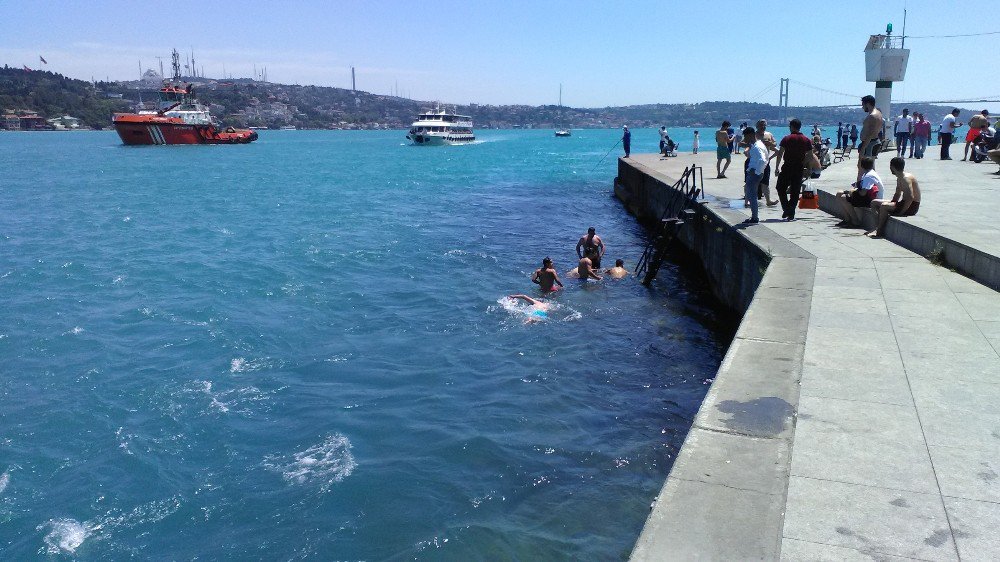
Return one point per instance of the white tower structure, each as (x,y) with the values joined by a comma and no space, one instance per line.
(885,63)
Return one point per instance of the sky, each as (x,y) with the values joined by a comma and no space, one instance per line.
(519,52)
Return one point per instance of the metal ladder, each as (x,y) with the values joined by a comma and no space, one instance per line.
(670,223)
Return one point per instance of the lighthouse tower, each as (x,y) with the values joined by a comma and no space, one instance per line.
(885,63)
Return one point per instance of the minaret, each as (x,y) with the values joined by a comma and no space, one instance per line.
(885,61)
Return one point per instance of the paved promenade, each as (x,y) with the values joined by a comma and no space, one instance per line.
(895,450)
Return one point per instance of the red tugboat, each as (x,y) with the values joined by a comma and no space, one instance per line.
(179,119)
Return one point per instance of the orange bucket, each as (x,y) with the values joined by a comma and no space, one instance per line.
(809,200)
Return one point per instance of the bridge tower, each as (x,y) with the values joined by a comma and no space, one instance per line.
(783,102)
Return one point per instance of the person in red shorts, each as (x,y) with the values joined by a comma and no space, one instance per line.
(976,123)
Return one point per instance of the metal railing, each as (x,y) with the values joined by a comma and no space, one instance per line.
(670,223)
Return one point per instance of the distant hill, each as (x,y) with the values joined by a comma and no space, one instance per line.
(248,102)
(54,95)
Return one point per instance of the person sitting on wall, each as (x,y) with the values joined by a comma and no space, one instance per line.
(905,202)
(861,194)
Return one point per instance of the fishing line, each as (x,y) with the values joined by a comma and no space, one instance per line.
(605,155)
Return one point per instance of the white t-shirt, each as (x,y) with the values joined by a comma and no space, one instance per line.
(871,179)
(903,124)
(758,157)
(663,135)
(695,143)
(948,125)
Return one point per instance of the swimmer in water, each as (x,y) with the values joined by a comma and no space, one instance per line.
(618,271)
(539,309)
(546,276)
(591,246)
(586,269)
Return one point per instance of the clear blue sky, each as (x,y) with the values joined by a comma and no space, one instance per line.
(604,53)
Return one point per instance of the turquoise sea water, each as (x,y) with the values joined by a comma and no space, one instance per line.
(300,348)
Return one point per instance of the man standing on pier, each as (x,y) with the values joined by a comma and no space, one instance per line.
(765,136)
(722,150)
(626,140)
(871,128)
(903,129)
(975,124)
(947,132)
(793,149)
(756,164)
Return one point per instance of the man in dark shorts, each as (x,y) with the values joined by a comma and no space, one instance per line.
(591,246)
(905,202)
(792,149)
(722,151)
(546,276)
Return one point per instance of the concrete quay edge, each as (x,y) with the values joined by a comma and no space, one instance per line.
(725,495)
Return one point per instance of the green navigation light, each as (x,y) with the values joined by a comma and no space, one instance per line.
(888,29)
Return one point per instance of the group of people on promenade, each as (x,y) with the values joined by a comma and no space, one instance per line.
(590,250)
(796,158)
(795,151)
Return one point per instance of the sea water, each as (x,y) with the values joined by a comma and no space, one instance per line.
(301,348)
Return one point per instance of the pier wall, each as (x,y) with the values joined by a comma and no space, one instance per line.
(725,495)
(733,263)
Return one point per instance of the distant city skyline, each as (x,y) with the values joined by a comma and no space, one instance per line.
(604,54)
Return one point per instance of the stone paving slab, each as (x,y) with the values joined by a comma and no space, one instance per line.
(869,519)
(896,437)
(795,551)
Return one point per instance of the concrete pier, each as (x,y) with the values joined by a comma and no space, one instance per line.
(855,414)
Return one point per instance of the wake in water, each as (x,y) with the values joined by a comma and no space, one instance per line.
(326,463)
(65,535)
(528,313)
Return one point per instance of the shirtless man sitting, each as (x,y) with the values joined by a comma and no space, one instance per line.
(994,155)
(618,271)
(546,276)
(905,202)
(591,246)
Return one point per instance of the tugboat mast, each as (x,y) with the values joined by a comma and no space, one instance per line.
(176,64)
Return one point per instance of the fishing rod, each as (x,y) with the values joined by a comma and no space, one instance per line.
(605,155)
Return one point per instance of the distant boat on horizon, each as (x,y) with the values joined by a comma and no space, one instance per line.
(564,131)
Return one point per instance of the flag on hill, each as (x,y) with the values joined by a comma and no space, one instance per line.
(42,59)
(26,69)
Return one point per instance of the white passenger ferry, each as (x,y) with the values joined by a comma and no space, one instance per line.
(437,126)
